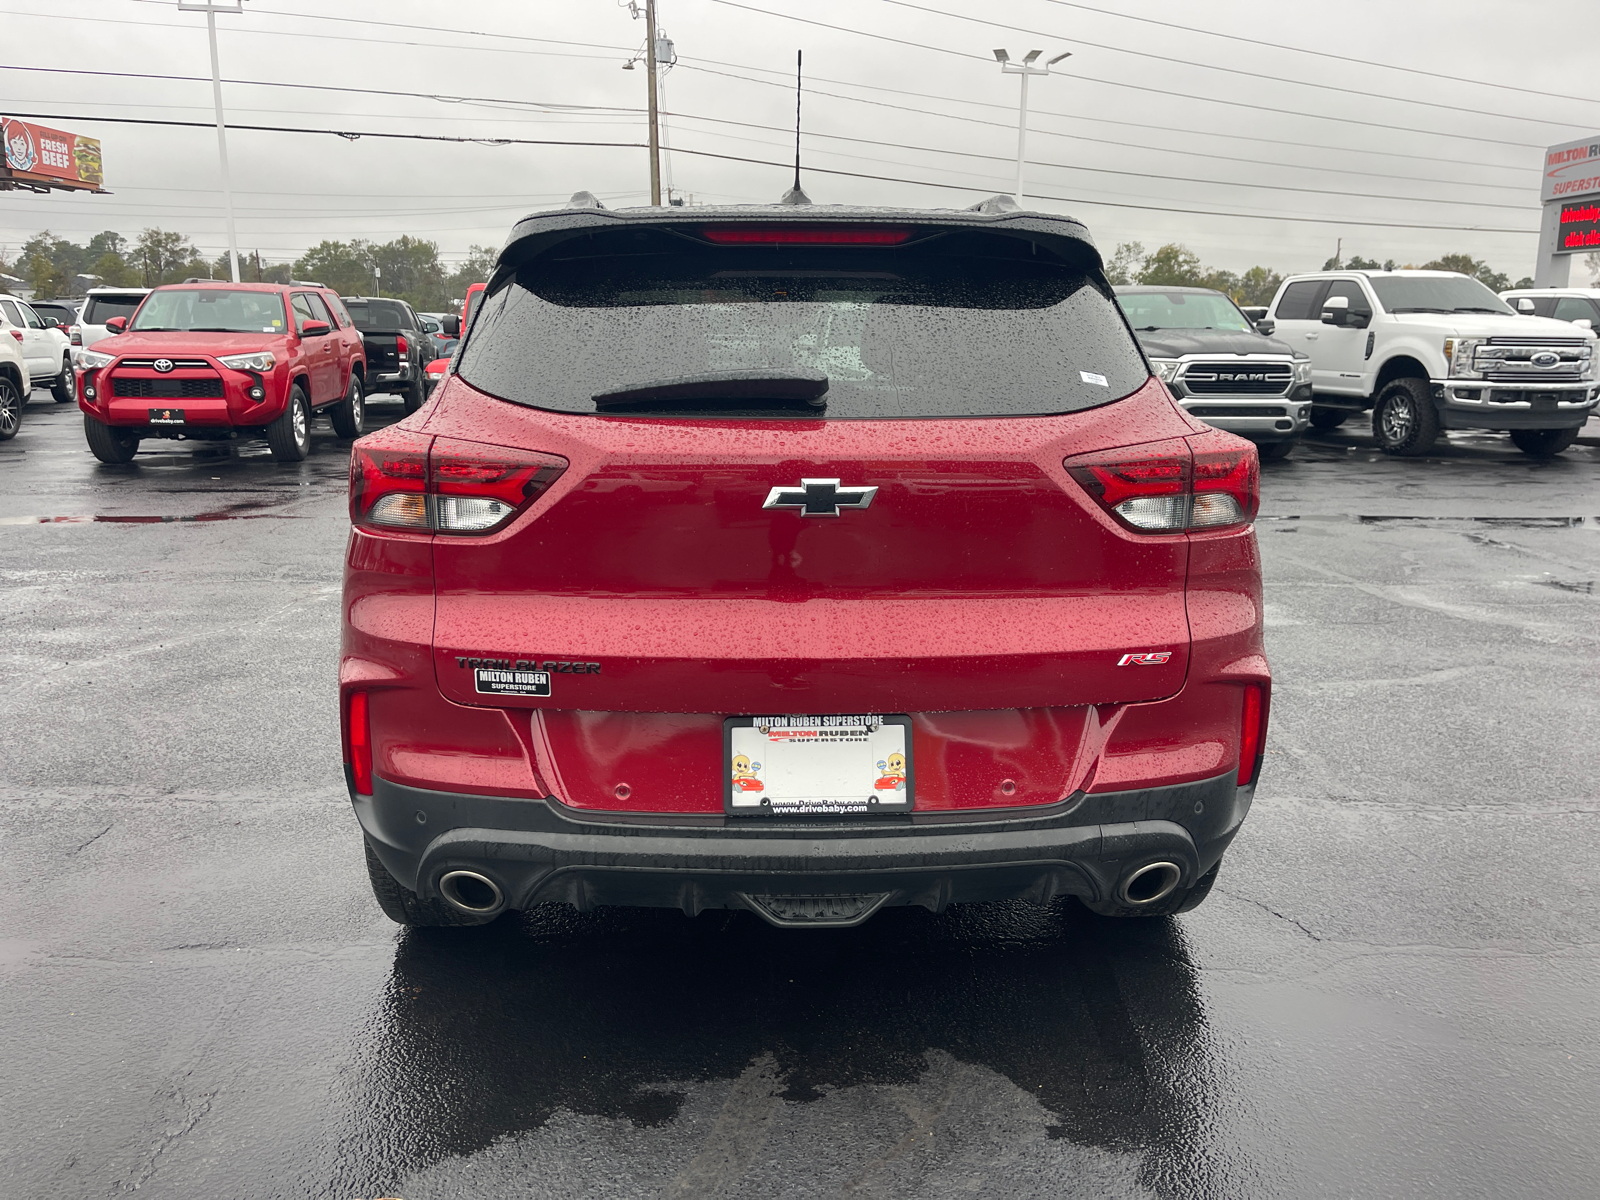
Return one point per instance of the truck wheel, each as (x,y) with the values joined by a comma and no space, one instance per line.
(1276,451)
(61,387)
(289,437)
(1543,443)
(10,409)
(1327,418)
(1404,420)
(403,906)
(415,395)
(349,416)
(108,444)
(1180,901)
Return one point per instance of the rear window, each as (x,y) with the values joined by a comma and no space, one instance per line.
(379,316)
(100,309)
(962,324)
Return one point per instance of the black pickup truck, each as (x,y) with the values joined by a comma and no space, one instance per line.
(397,347)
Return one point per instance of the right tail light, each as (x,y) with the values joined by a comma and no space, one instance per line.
(1177,485)
(411,481)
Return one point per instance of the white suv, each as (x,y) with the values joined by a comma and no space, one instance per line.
(15,384)
(1428,351)
(45,346)
(99,306)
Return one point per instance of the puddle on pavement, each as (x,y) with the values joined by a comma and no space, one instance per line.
(234,512)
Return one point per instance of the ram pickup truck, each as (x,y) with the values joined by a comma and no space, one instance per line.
(1222,367)
(397,347)
(1427,351)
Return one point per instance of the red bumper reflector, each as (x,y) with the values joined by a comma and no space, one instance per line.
(358,747)
(1251,732)
(805,235)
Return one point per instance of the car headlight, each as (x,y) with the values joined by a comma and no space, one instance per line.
(248,362)
(1166,369)
(1460,353)
(1302,371)
(93,360)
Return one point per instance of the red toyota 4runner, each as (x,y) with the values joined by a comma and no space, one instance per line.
(804,562)
(211,361)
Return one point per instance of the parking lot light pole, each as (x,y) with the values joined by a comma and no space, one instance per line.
(1025,68)
(211,8)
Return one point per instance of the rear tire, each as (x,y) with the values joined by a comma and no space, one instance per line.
(1543,443)
(10,409)
(1180,901)
(289,437)
(349,416)
(1328,418)
(415,395)
(404,907)
(1404,420)
(62,387)
(108,444)
(1276,451)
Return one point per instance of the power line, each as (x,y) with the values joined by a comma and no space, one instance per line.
(598,109)
(766,163)
(1436,133)
(1342,58)
(1189,62)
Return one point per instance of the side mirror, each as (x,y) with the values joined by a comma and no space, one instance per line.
(315,328)
(452,327)
(1360,318)
(1525,306)
(1256,312)
(1266,326)
(1336,310)
(116,324)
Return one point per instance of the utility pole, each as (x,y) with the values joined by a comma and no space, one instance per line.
(1025,68)
(211,8)
(655,116)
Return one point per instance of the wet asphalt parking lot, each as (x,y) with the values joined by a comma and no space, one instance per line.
(1393,991)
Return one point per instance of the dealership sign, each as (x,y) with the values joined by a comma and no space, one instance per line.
(36,155)
(1571,170)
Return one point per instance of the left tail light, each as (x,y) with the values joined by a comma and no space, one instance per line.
(358,743)
(405,480)
(1173,486)
(1252,733)
(401,346)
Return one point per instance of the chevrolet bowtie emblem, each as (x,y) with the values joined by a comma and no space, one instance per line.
(820,497)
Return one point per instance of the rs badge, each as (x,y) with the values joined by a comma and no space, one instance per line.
(1150,658)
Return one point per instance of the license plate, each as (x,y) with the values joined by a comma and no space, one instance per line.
(166,416)
(817,765)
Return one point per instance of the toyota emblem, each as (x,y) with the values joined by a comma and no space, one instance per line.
(1546,360)
(163,365)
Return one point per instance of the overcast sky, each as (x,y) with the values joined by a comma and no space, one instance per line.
(1130,129)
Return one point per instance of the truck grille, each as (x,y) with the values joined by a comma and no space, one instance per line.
(1518,363)
(1238,379)
(166,389)
(178,364)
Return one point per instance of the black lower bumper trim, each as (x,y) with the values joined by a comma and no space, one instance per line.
(540,851)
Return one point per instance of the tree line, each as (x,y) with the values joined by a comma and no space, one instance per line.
(406,267)
(409,267)
(1178,266)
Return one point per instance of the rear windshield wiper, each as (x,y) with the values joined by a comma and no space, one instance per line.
(756,388)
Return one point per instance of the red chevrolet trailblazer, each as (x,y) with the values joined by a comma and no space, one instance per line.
(209,361)
(803,561)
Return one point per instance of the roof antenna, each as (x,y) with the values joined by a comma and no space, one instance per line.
(796,194)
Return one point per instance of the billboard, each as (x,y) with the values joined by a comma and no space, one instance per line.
(1580,228)
(1571,170)
(37,154)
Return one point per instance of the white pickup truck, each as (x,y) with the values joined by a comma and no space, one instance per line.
(1433,350)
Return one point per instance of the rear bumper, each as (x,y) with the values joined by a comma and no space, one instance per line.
(540,851)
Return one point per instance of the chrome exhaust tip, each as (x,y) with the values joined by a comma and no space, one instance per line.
(1150,884)
(471,892)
